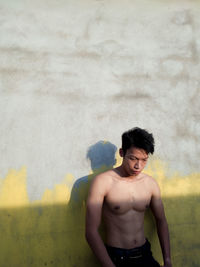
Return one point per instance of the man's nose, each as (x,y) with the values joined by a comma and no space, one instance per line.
(137,164)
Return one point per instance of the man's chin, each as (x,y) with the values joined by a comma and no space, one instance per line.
(135,173)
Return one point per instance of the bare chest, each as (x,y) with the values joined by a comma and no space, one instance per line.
(124,197)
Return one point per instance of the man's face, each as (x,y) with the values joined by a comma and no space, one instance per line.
(134,160)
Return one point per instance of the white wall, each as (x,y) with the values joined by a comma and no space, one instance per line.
(73,73)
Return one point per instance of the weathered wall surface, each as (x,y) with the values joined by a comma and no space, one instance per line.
(73,73)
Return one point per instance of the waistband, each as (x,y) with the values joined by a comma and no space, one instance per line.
(130,253)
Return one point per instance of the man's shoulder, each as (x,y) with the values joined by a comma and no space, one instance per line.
(148,177)
(102,182)
(152,184)
(150,180)
(105,176)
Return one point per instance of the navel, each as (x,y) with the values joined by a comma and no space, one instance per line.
(117,207)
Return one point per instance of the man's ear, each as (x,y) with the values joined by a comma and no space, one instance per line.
(121,152)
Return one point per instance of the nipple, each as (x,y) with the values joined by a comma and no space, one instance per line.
(117,207)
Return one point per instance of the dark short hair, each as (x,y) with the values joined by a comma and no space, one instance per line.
(138,138)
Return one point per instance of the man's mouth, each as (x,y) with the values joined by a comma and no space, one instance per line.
(135,172)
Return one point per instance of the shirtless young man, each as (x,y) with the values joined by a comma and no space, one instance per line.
(121,196)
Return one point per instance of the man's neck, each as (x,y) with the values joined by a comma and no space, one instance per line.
(123,174)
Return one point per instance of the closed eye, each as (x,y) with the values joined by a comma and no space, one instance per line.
(132,158)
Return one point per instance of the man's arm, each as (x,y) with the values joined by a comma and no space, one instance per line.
(161,224)
(93,219)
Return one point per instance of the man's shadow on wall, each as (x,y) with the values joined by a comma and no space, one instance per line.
(102,157)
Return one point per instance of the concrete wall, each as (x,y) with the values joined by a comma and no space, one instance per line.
(73,76)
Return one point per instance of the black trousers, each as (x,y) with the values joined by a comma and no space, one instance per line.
(136,257)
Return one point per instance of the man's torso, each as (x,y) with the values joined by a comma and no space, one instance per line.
(124,206)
